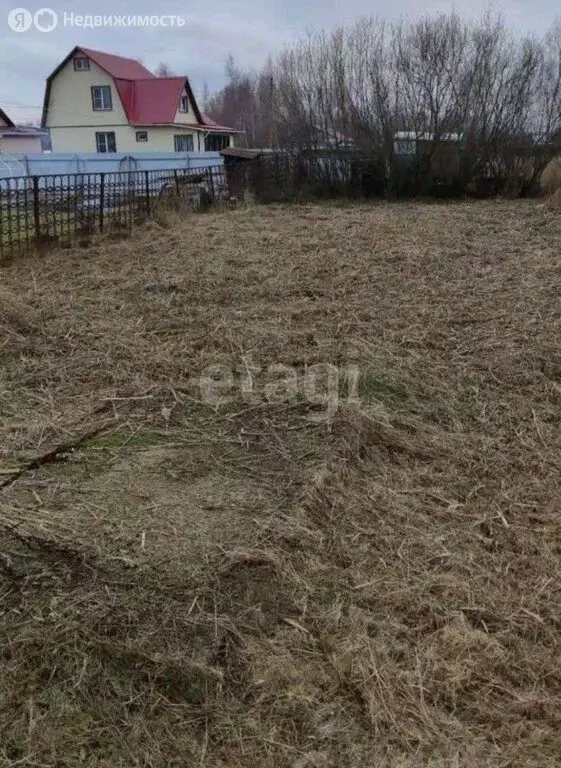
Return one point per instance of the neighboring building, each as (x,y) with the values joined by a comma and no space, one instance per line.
(412,143)
(98,102)
(442,152)
(329,138)
(18,140)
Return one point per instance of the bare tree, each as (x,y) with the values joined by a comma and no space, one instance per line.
(163,70)
(548,112)
(205,98)
(436,77)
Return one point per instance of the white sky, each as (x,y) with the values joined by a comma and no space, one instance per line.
(249,29)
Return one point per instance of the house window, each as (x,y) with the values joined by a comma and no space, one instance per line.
(142,135)
(81,64)
(183,143)
(184,104)
(101,97)
(214,142)
(105,142)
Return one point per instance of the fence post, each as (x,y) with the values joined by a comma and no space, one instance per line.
(101,201)
(147,189)
(175,176)
(36,217)
(213,193)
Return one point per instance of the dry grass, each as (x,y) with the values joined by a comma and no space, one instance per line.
(268,584)
(550,180)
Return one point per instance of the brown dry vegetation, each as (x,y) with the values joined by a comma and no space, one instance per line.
(254,585)
(550,180)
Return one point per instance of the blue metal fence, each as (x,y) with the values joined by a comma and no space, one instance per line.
(47,164)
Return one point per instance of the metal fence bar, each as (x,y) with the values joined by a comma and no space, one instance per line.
(36,211)
(147,190)
(101,201)
(70,207)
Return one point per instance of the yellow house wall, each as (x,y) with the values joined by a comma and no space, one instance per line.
(186,117)
(70,102)
(79,139)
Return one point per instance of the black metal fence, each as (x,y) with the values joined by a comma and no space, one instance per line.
(300,175)
(70,208)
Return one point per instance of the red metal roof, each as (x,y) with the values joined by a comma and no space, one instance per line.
(151,101)
(147,99)
(118,66)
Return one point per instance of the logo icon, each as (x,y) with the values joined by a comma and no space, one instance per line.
(20,20)
(45,20)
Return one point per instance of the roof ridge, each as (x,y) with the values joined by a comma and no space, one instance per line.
(107,53)
(155,77)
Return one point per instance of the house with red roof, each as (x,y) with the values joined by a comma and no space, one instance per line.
(99,102)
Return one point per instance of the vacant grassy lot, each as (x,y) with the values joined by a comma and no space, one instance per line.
(206,562)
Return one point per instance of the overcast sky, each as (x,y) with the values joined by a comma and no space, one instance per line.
(249,29)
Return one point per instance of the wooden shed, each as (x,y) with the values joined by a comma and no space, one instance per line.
(237,162)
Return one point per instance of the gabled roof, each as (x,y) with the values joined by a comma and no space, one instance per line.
(116,66)
(154,100)
(146,99)
(6,119)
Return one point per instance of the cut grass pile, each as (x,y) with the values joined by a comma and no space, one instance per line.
(208,562)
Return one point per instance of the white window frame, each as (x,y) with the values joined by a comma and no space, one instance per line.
(184,103)
(102,142)
(99,95)
(81,64)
